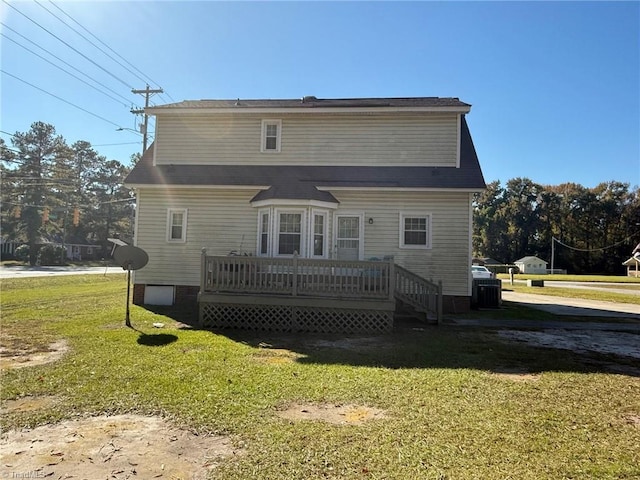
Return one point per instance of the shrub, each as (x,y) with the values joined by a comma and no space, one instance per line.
(22,253)
(51,255)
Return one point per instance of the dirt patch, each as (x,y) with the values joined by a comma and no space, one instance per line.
(336,414)
(118,447)
(354,343)
(15,358)
(633,420)
(27,404)
(581,341)
(516,375)
(277,356)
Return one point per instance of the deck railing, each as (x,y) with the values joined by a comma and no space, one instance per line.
(298,276)
(421,294)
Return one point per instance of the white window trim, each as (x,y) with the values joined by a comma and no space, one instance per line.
(401,232)
(360,215)
(263,137)
(276,230)
(170,213)
(269,232)
(312,233)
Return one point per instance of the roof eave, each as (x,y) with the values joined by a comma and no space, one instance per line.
(159,110)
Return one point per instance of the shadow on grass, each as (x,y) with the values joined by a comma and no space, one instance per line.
(413,344)
(156,339)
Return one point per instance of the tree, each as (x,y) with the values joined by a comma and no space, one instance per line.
(596,228)
(38,150)
(47,184)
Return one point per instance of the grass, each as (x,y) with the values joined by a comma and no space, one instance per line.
(574,278)
(569,292)
(448,414)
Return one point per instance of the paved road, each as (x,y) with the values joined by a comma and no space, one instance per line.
(574,306)
(628,288)
(23,271)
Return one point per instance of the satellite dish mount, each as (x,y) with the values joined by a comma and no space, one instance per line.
(130,258)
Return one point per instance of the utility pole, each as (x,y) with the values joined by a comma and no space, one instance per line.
(147,92)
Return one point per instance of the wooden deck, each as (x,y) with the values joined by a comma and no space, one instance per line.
(301,294)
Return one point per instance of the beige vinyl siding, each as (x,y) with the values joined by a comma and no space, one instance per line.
(448,259)
(223,220)
(324,139)
(219,220)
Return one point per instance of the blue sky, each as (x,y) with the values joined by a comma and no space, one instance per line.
(554,86)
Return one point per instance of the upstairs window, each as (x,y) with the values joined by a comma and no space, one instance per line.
(415,231)
(271,133)
(177,225)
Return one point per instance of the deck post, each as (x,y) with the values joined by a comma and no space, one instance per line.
(392,279)
(294,272)
(203,269)
(439,313)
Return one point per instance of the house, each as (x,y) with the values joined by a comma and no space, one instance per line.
(531,265)
(633,266)
(246,206)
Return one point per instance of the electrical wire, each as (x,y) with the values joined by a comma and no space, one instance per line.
(66,63)
(70,46)
(595,249)
(89,41)
(65,71)
(146,77)
(59,98)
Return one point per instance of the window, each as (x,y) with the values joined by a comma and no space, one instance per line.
(318,249)
(271,133)
(415,231)
(177,225)
(264,233)
(289,233)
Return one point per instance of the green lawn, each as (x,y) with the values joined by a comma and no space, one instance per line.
(604,292)
(449,414)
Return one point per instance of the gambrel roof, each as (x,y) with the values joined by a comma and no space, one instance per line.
(293,178)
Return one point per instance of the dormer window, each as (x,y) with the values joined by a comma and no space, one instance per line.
(271,133)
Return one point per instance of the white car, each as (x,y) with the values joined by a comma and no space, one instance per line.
(478,271)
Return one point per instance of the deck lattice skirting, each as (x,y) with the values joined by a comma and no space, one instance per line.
(293,318)
(301,295)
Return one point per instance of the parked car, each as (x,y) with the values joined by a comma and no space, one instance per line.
(478,271)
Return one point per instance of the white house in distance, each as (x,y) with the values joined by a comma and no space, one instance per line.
(325,180)
(532,265)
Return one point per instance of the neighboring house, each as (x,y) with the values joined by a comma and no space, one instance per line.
(324,180)
(633,266)
(531,265)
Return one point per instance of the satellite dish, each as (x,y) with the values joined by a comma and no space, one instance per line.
(130,258)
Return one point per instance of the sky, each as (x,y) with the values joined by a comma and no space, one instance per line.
(554,86)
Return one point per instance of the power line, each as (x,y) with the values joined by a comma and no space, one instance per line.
(66,63)
(114,144)
(593,249)
(65,71)
(146,79)
(60,98)
(68,45)
(89,41)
